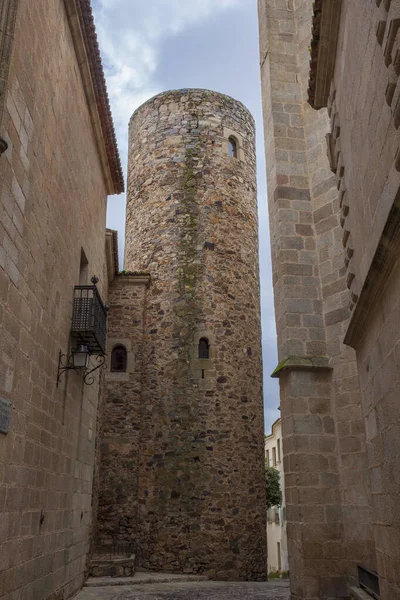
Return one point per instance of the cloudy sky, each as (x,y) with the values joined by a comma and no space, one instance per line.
(149,46)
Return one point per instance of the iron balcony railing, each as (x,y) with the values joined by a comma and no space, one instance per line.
(89,319)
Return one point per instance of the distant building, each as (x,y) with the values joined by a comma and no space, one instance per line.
(276,520)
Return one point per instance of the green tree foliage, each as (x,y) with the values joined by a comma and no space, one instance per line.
(273,486)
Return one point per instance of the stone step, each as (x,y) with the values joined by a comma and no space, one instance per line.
(144,577)
(104,567)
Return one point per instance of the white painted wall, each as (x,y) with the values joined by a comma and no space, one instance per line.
(276,531)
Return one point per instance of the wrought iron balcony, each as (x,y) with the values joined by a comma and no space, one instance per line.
(89,318)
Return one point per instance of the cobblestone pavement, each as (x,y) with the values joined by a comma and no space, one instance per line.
(204,590)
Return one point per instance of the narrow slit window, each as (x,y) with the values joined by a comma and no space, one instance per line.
(232,147)
(118,359)
(204,348)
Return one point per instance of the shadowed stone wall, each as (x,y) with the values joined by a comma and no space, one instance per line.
(53,200)
(328,504)
(120,444)
(192,222)
(364,104)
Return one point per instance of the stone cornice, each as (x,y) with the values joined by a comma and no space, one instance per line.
(273,427)
(133,279)
(8,16)
(323,50)
(386,256)
(88,55)
(302,363)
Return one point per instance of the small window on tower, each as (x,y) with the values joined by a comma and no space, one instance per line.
(118,359)
(204,348)
(232,147)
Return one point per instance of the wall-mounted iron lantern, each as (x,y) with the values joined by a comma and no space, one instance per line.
(89,319)
(80,357)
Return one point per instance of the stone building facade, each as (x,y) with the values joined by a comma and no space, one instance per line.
(59,162)
(193,497)
(149,452)
(332,149)
(276,516)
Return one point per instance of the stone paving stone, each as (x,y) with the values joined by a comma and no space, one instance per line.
(207,590)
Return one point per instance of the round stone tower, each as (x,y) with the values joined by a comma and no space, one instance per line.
(192,224)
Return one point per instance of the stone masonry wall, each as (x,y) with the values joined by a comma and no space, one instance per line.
(365,108)
(378,355)
(120,443)
(351,478)
(323,439)
(365,112)
(53,204)
(192,222)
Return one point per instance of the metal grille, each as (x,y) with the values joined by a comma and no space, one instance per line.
(5,409)
(116,549)
(369,581)
(120,548)
(89,318)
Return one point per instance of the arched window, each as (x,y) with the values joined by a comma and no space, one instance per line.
(118,359)
(232,147)
(204,348)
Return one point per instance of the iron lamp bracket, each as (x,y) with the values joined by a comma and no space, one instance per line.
(65,363)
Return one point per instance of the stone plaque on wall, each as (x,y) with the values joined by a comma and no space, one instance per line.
(5,408)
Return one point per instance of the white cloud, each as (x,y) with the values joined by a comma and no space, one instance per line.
(130,34)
